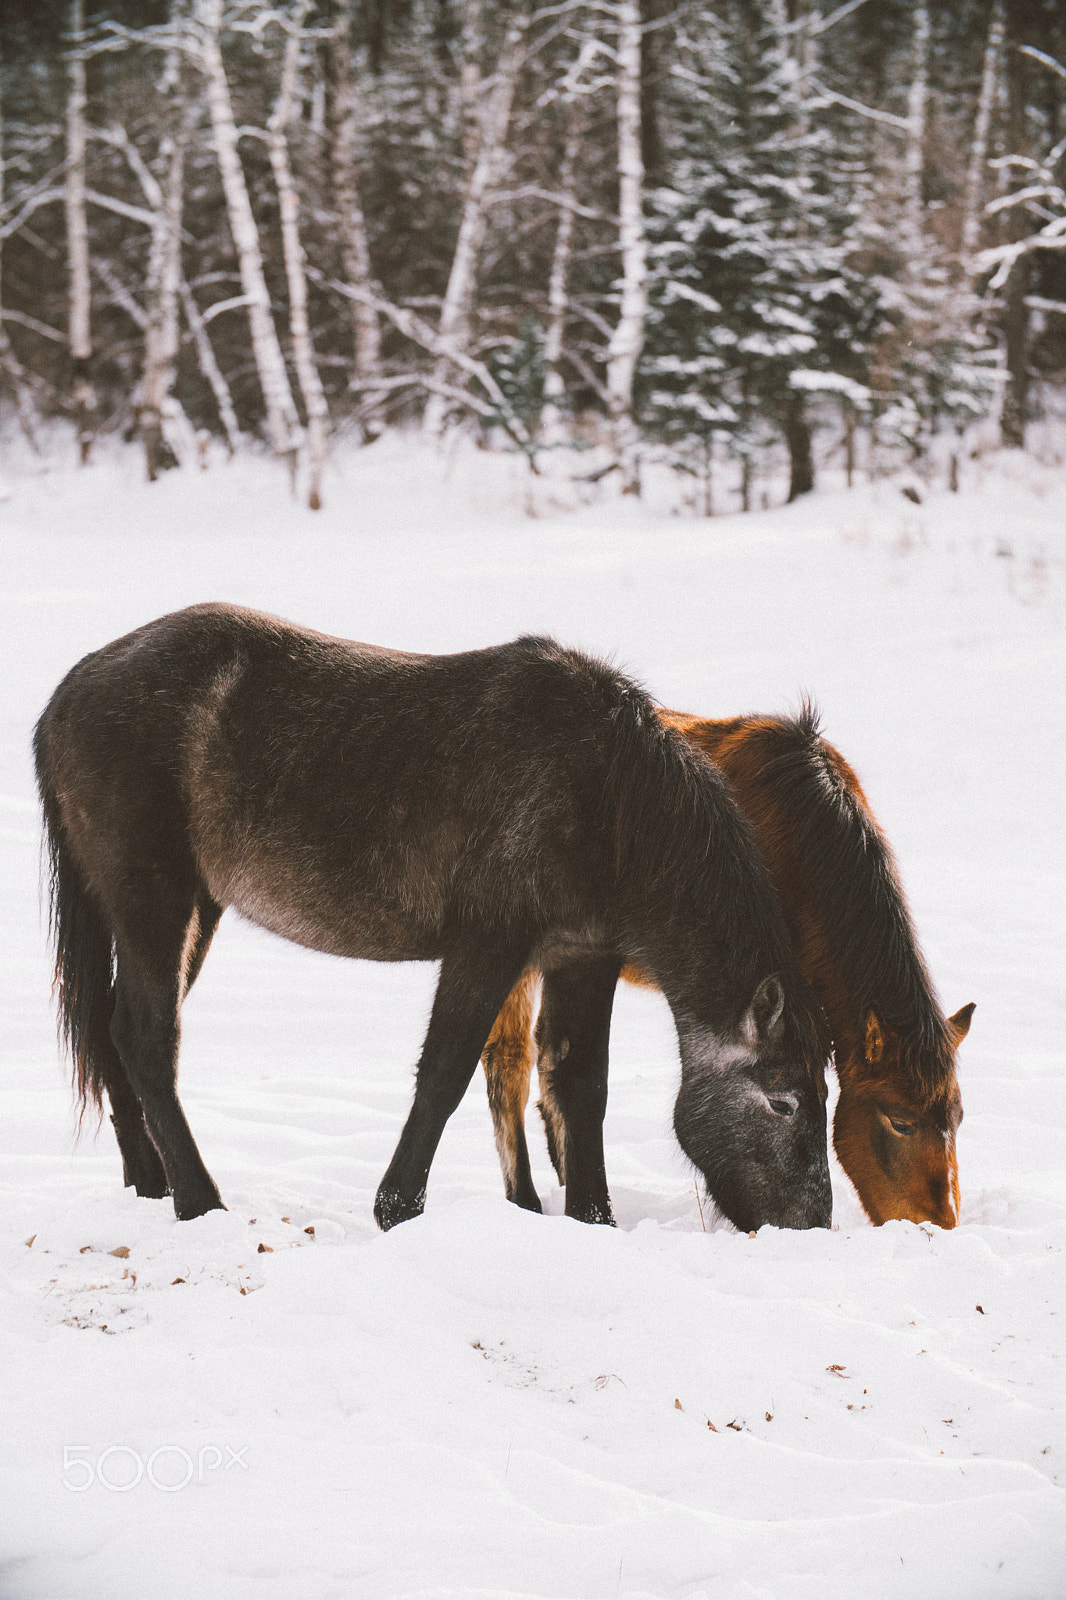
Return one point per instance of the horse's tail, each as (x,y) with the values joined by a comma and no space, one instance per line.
(83,983)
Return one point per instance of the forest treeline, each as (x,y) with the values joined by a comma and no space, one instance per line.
(684,230)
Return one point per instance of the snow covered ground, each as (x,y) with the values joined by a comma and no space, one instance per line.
(485,1403)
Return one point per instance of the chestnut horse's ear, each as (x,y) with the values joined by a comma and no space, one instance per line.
(874,1042)
(960,1022)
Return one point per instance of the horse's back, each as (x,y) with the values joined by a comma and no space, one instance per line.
(350,797)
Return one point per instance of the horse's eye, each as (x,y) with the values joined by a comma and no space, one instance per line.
(783,1108)
(904,1129)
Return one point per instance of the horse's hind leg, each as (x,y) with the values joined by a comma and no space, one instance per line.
(155,953)
(142,1169)
(474,982)
(573,1032)
(508,1063)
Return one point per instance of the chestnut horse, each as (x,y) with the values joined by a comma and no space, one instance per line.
(502,809)
(899,1105)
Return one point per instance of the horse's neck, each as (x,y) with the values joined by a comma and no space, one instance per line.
(727,742)
(811,943)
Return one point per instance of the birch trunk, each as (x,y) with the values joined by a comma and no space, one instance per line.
(354,245)
(470,78)
(210,368)
(295,262)
(10,365)
(978,162)
(1015,318)
(163,285)
(914,157)
(628,337)
(554,388)
(283,425)
(82,396)
(459,296)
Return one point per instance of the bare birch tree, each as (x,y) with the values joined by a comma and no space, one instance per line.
(283,425)
(10,366)
(914,152)
(978,162)
(82,396)
(164,274)
(210,368)
(1014,319)
(628,336)
(573,87)
(492,124)
(354,243)
(558,295)
(295,262)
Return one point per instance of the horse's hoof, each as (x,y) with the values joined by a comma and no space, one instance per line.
(197,1208)
(392,1207)
(593,1213)
(149,1188)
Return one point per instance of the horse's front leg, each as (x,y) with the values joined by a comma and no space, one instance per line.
(573,1032)
(475,980)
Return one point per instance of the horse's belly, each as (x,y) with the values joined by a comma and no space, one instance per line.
(374,937)
(332,915)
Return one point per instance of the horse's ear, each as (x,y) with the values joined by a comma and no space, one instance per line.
(874,1041)
(960,1022)
(763,1018)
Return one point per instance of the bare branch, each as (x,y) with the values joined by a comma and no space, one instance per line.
(1045,60)
(824,23)
(566,202)
(420,333)
(44,197)
(119,139)
(120,295)
(856,106)
(108,202)
(224,305)
(36,327)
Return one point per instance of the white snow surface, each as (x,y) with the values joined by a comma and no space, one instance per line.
(485,1403)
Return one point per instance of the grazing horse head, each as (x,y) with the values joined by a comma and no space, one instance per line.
(750,1114)
(897,1146)
(899,1106)
(699,916)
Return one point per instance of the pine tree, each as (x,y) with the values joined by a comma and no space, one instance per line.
(756,303)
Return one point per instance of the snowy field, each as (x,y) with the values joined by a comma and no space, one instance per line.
(485,1403)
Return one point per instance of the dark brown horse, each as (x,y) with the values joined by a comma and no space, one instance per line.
(899,1105)
(503,809)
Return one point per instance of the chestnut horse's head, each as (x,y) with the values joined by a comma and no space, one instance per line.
(898,1150)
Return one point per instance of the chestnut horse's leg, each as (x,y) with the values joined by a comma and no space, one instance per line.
(474,983)
(573,1032)
(156,945)
(508,1061)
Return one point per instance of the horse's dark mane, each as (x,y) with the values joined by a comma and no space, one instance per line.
(852,878)
(679,831)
